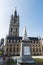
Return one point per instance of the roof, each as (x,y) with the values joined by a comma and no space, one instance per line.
(20,38)
(13,38)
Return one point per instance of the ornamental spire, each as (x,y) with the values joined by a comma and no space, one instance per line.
(15,13)
(24,33)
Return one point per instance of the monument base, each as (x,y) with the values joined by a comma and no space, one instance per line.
(26,61)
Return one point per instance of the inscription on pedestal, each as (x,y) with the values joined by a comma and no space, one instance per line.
(26,50)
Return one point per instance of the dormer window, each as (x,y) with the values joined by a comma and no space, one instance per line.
(14,40)
(17,40)
(10,44)
(20,40)
(8,40)
(11,40)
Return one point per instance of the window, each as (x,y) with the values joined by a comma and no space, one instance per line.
(14,44)
(14,20)
(17,45)
(11,29)
(17,49)
(34,54)
(14,40)
(37,54)
(17,40)
(14,54)
(11,40)
(42,47)
(14,49)
(7,44)
(36,49)
(10,49)
(7,49)
(33,49)
(39,50)
(18,54)
(16,29)
(34,41)
(20,40)
(10,44)
(39,45)
(9,53)
(36,45)
(33,45)
(8,41)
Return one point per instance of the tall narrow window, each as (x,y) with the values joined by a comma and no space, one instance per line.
(16,29)
(39,49)
(7,49)
(14,20)
(36,49)
(10,49)
(11,29)
(33,49)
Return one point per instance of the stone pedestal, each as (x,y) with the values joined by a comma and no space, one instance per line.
(25,53)
(26,61)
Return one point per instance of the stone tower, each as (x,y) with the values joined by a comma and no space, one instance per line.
(14,25)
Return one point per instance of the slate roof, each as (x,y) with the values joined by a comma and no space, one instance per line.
(13,38)
(20,38)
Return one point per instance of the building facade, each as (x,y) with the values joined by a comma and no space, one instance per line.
(13,40)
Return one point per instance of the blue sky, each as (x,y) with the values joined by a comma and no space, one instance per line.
(30,12)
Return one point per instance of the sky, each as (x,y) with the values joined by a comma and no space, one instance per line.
(30,13)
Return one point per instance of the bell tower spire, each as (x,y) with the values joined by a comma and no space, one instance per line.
(14,25)
(15,13)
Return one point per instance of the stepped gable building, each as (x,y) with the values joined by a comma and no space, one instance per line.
(13,40)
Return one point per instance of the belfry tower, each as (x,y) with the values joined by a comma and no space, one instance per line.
(14,25)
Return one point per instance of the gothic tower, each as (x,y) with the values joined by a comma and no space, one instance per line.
(14,25)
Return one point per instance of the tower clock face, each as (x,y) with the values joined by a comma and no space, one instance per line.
(26,50)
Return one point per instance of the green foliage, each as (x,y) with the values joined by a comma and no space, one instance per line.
(0,53)
(38,61)
(10,62)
